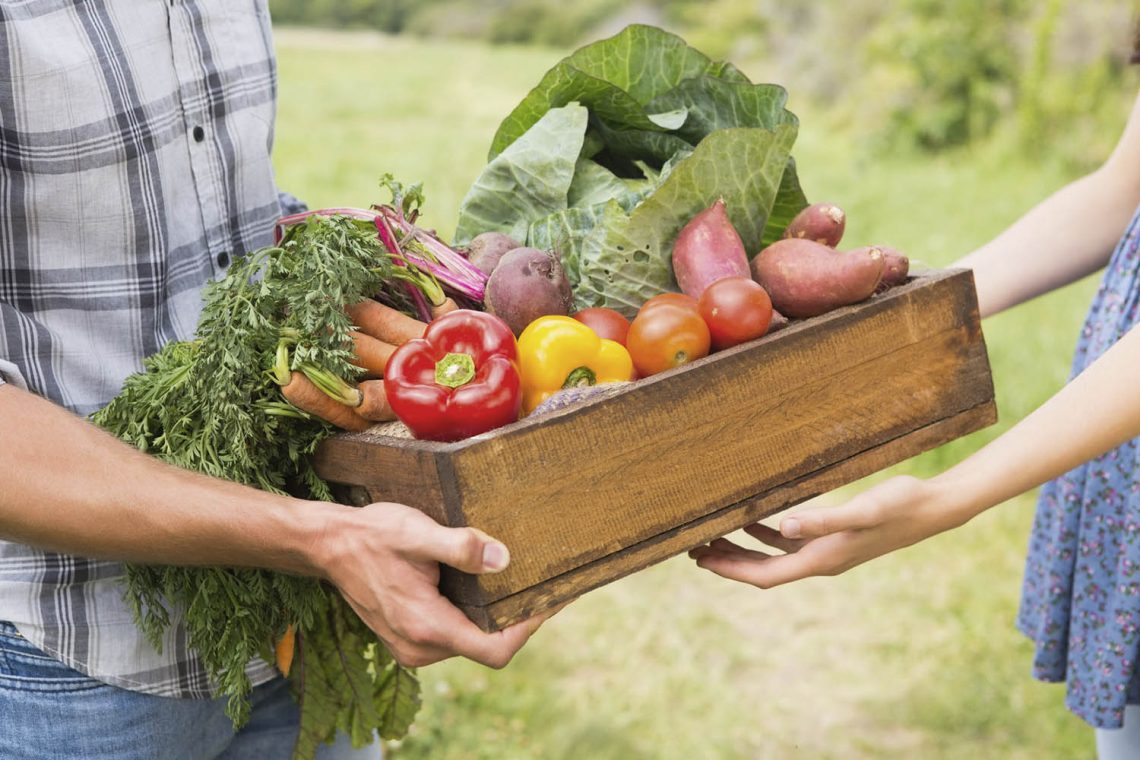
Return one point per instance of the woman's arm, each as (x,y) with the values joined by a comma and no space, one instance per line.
(1097,411)
(1067,236)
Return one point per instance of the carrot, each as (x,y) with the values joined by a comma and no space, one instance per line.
(284,649)
(371,354)
(446,307)
(385,323)
(375,405)
(303,394)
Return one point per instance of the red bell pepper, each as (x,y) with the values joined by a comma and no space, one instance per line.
(459,380)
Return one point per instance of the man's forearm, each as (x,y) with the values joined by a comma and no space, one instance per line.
(71,487)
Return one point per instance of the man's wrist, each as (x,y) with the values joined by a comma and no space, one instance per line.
(308,530)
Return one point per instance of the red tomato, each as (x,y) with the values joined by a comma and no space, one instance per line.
(736,310)
(680,299)
(666,335)
(607,323)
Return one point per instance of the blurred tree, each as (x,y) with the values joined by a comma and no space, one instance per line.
(959,68)
(931,74)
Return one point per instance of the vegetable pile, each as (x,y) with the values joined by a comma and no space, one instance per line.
(281,342)
(619,146)
(636,168)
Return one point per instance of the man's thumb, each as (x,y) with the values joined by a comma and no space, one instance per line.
(470,550)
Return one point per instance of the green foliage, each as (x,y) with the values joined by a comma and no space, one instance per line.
(212,406)
(959,70)
(623,142)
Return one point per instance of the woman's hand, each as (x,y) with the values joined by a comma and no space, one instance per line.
(830,540)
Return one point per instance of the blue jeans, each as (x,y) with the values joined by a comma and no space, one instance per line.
(48,710)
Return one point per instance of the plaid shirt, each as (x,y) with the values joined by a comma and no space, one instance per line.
(135,142)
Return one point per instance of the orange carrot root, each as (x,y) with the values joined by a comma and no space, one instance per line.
(285,649)
(371,354)
(375,405)
(301,393)
(385,323)
(446,307)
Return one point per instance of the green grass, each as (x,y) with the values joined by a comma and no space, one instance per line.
(914,655)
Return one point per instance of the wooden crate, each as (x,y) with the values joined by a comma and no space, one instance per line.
(589,494)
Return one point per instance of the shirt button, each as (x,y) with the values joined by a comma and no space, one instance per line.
(224,259)
(199,134)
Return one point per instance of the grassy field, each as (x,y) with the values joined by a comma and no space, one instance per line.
(914,655)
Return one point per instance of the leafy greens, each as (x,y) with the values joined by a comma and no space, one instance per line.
(210,405)
(623,142)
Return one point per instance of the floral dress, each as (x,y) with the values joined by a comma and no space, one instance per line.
(1081,595)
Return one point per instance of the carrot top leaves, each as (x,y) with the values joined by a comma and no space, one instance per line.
(212,404)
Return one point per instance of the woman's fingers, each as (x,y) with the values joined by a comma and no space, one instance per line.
(760,570)
(774,538)
(857,514)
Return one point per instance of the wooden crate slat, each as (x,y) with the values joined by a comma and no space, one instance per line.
(523,604)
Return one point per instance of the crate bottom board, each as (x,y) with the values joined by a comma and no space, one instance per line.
(563,588)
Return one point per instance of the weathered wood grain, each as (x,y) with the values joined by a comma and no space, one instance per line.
(572,584)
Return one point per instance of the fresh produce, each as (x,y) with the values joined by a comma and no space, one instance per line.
(369,353)
(736,309)
(384,323)
(211,406)
(607,323)
(487,248)
(300,391)
(681,299)
(820,222)
(805,278)
(374,404)
(446,306)
(896,267)
(527,284)
(460,379)
(707,249)
(619,146)
(667,332)
(557,352)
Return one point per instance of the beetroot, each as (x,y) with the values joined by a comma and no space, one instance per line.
(487,248)
(707,249)
(527,284)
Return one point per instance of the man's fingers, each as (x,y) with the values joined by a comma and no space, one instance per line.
(459,635)
(466,549)
(813,523)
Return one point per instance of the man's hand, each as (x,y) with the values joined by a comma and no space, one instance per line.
(385,560)
(829,541)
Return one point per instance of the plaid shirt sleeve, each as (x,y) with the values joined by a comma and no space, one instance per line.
(135,143)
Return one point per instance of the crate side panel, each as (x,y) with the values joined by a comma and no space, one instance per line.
(563,588)
(590,485)
(403,474)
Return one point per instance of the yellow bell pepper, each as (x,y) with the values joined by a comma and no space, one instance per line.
(559,352)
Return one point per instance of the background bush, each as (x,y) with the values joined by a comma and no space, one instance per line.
(927,75)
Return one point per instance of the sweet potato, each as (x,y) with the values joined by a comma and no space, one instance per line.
(805,278)
(707,249)
(896,267)
(527,284)
(822,223)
